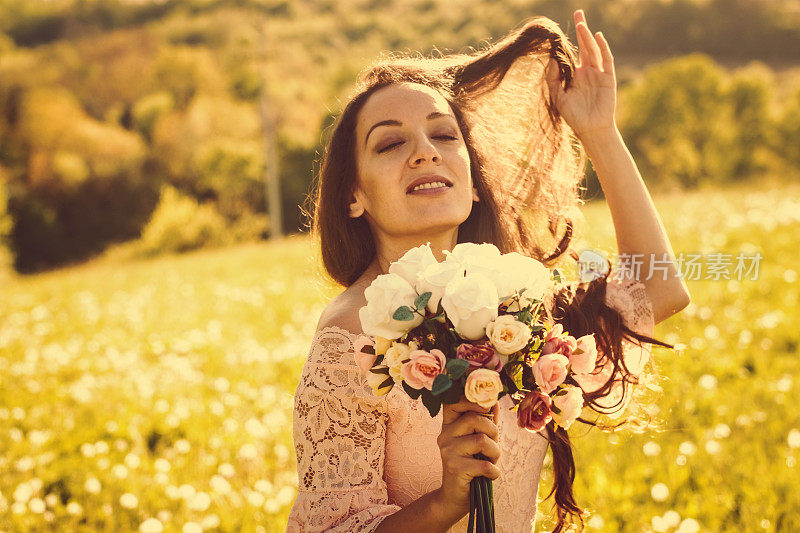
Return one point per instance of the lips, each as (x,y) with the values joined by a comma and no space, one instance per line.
(430,178)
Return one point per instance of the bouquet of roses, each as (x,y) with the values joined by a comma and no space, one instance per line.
(473,325)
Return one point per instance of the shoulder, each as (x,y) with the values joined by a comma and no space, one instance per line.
(342,311)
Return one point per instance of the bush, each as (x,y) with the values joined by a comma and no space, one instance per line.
(179,223)
(678,121)
(789,129)
(5,230)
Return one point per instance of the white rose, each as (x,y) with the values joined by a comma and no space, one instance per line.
(386,293)
(435,278)
(396,355)
(507,334)
(519,272)
(481,259)
(413,262)
(470,303)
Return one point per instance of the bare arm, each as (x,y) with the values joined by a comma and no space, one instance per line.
(589,106)
(637,225)
(426,514)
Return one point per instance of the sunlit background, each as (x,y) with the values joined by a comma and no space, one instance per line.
(157,301)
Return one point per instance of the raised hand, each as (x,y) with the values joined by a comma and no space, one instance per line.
(588,104)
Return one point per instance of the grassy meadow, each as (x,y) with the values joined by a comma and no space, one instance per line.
(156,395)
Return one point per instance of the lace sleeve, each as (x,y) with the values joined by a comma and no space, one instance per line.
(339,437)
(628,296)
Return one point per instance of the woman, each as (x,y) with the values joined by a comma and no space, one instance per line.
(450,150)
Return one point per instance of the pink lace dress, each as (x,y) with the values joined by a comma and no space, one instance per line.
(361,458)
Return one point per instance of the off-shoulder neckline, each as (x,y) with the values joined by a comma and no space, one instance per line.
(351,334)
(336,329)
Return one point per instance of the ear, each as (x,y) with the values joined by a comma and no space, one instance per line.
(475,196)
(355,209)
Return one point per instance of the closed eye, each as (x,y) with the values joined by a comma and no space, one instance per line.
(390,146)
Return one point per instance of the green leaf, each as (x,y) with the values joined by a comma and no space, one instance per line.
(517,377)
(440,384)
(403,313)
(456,368)
(422,300)
(431,402)
(452,395)
(413,393)
(508,383)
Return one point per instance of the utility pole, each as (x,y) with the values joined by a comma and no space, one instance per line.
(272,186)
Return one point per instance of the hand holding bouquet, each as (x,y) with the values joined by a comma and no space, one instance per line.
(474,325)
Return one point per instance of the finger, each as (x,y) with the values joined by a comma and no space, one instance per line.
(470,423)
(589,46)
(580,18)
(605,50)
(470,445)
(553,79)
(467,468)
(451,411)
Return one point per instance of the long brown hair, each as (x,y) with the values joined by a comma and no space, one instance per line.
(526,165)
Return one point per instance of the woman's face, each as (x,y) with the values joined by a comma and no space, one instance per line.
(406,133)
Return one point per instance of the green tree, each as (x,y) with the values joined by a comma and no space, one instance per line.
(678,122)
(789,129)
(750,96)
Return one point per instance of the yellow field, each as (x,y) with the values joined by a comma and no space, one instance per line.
(159,392)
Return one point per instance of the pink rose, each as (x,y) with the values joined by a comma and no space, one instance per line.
(422,368)
(614,403)
(480,355)
(557,342)
(583,359)
(483,386)
(550,371)
(364,359)
(534,412)
(568,406)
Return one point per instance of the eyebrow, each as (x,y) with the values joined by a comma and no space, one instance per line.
(391,122)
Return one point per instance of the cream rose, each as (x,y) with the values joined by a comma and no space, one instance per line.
(376,377)
(413,262)
(386,293)
(398,354)
(507,334)
(381,345)
(483,386)
(470,303)
(570,406)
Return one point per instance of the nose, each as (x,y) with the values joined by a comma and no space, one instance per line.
(425,150)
